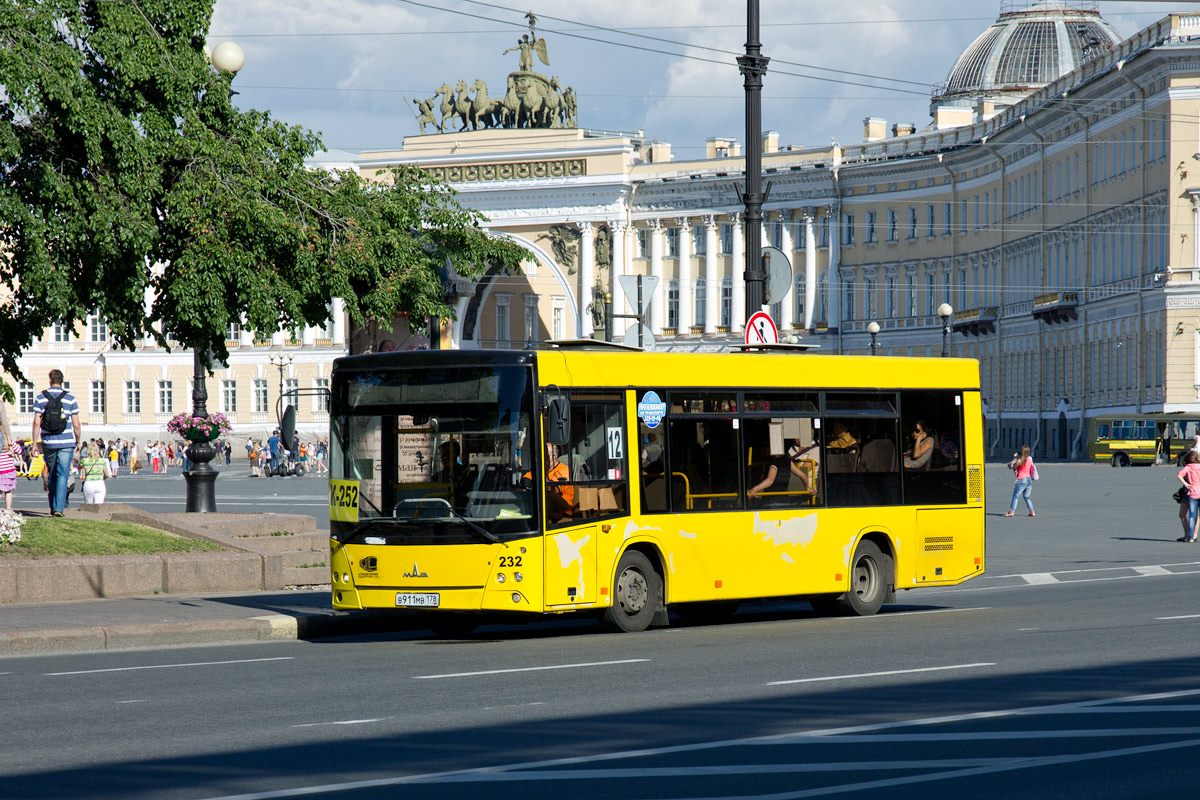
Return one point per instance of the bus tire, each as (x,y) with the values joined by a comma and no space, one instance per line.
(869,580)
(1120,460)
(637,593)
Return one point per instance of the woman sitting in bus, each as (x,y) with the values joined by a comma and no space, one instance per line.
(779,468)
(921,451)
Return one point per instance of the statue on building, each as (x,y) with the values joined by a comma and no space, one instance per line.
(603,248)
(563,240)
(531,100)
(426,109)
(597,306)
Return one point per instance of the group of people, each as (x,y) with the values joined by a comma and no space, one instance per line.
(270,457)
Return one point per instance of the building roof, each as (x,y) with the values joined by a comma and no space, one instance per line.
(1024,50)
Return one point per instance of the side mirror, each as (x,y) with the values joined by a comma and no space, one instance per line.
(558,425)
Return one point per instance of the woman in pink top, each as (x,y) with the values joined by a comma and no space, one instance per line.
(1189,476)
(1022,465)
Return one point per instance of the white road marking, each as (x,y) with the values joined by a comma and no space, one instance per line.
(341,722)
(121,702)
(880,674)
(1039,578)
(514,705)
(530,669)
(1152,570)
(1182,616)
(890,614)
(172,666)
(773,739)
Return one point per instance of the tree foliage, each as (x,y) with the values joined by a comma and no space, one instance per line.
(129,174)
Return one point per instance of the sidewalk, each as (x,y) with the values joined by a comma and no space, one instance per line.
(165,620)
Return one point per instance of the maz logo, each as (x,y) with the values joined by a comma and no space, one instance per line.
(369,564)
(416,573)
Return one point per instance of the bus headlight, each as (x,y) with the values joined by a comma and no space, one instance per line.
(518,577)
(516,597)
(500,577)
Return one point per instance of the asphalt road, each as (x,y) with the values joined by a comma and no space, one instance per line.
(1071,669)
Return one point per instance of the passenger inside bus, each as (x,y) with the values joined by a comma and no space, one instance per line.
(560,495)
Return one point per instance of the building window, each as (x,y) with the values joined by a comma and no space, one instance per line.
(531,317)
(824,241)
(258,396)
(291,389)
(25,398)
(166,397)
(643,243)
(97,328)
(558,314)
(233,332)
(699,297)
(869,238)
(98,397)
(321,398)
(229,397)
(503,332)
(912,222)
(930,222)
(869,307)
(672,237)
(777,234)
(133,397)
(849,300)
(61,332)
(700,240)
(890,299)
(930,284)
(946,219)
(910,295)
(673,304)
(891,224)
(726,238)
(848,231)
(727,301)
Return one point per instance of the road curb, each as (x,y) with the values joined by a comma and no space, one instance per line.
(268,627)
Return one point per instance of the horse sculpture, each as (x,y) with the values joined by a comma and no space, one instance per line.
(462,105)
(510,106)
(553,106)
(484,110)
(532,104)
(447,95)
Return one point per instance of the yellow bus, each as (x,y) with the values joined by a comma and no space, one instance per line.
(622,484)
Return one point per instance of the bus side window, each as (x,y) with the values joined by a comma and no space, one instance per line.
(591,474)
(941,478)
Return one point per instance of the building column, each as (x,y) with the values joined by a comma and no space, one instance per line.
(787,315)
(686,301)
(619,260)
(339,322)
(587,272)
(712,284)
(738,321)
(833,285)
(810,267)
(658,305)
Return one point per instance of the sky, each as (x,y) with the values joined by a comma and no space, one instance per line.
(350,69)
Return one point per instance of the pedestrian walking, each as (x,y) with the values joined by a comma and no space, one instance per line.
(8,472)
(252,455)
(114,459)
(1189,476)
(56,428)
(94,468)
(134,464)
(1026,472)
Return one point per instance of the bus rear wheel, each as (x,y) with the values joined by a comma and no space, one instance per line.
(870,579)
(1120,460)
(637,592)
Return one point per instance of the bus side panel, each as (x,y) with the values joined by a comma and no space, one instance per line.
(948,545)
(571,573)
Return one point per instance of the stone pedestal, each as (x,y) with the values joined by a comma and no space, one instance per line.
(201,478)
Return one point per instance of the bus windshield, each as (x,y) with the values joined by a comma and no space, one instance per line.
(438,454)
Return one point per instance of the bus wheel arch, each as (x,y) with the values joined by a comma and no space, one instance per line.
(872,580)
(638,591)
(1121,460)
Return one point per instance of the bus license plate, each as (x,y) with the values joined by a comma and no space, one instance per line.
(419,600)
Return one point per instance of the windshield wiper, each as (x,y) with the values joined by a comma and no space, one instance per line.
(482,531)
(366,525)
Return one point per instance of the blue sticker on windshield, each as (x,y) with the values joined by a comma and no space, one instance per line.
(651,409)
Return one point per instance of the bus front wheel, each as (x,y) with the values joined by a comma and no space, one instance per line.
(1120,460)
(636,595)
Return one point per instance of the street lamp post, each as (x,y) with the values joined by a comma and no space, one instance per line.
(201,478)
(873,329)
(945,311)
(281,362)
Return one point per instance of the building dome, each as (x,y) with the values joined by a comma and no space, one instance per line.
(1023,51)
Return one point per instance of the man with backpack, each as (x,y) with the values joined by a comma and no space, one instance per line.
(56,428)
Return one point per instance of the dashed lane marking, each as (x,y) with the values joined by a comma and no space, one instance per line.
(881,674)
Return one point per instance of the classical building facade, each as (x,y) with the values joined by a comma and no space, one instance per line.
(1059,221)
(1053,201)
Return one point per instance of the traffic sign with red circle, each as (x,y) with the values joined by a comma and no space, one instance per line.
(761,329)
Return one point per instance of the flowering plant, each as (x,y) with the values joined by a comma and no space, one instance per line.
(10,526)
(199,429)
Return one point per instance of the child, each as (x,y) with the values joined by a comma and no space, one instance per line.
(8,475)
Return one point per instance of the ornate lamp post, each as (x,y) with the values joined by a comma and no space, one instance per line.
(280,361)
(873,329)
(202,478)
(945,311)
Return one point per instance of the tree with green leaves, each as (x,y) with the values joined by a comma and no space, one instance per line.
(127,172)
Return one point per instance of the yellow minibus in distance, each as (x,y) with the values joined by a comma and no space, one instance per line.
(623,484)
